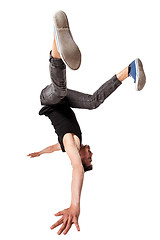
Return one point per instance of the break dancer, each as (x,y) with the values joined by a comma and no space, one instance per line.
(58,101)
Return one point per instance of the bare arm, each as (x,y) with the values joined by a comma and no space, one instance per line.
(71,214)
(78,172)
(50,149)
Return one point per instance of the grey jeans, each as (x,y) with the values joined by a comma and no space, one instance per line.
(55,92)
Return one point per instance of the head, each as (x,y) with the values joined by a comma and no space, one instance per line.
(86,157)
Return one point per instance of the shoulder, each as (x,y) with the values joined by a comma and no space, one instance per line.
(71,139)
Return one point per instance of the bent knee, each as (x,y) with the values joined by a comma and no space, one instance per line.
(95,104)
(53,98)
(61,93)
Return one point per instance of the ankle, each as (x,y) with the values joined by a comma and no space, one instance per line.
(55,54)
(123,74)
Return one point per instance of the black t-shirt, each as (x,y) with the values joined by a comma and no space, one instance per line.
(63,119)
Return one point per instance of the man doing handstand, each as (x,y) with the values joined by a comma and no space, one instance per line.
(58,101)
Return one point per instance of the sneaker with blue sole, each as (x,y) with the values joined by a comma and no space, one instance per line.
(138,74)
(66,45)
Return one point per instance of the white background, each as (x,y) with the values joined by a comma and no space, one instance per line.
(120,197)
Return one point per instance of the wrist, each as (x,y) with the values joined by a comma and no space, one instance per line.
(75,205)
(75,209)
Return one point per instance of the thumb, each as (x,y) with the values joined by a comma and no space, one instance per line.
(59,213)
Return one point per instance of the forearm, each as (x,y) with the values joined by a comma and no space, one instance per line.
(47,150)
(50,149)
(76,185)
(72,150)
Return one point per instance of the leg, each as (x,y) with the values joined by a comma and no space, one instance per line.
(87,101)
(56,91)
(123,74)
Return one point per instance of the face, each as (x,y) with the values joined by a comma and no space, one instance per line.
(86,155)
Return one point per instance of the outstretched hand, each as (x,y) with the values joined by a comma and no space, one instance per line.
(69,216)
(35,154)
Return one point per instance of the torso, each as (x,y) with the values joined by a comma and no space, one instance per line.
(64,121)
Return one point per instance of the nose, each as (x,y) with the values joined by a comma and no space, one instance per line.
(91,154)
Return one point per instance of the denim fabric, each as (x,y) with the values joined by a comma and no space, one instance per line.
(57,90)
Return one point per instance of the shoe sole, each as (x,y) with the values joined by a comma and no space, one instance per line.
(66,45)
(140,75)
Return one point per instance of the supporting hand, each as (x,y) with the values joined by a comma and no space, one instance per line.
(69,216)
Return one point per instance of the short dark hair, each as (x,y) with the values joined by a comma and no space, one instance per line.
(90,167)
